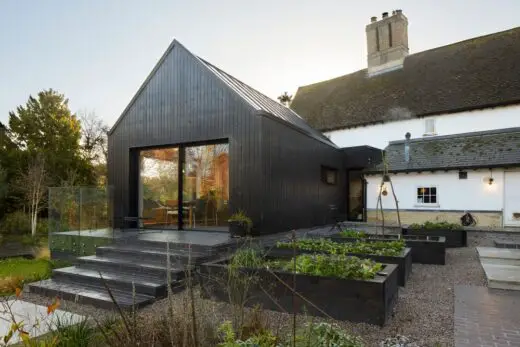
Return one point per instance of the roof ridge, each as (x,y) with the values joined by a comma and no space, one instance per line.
(461,135)
(416,54)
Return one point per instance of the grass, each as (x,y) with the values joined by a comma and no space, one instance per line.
(15,272)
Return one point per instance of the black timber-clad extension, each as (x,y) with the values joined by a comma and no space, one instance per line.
(275,158)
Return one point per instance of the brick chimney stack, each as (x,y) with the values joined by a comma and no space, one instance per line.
(387,42)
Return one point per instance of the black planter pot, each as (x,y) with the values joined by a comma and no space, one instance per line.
(426,249)
(370,301)
(454,238)
(237,229)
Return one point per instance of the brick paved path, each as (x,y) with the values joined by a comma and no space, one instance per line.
(486,317)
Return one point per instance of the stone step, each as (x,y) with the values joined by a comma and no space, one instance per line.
(504,256)
(507,244)
(88,294)
(502,276)
(178,258)
(147,285)
(129,266)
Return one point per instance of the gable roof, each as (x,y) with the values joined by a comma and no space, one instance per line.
(484,149)
(477,73)
(258,101)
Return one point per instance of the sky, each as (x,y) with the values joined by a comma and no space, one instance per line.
(98,52)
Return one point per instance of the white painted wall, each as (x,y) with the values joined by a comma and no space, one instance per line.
(453,193)
(378,135)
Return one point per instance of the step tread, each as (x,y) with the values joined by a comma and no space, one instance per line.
(92,292)
(173,252)
(139,263)
(502,273)
(147,281)
(498,253)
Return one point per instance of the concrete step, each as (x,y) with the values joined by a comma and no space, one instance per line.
(502,276)
(501,256)
(178,258)
(147,285)
(507,244)
(129,266)
(88,294)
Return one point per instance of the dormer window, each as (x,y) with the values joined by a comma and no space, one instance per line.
(429,127)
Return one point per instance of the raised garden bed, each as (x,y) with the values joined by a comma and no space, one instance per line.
(454,238)
(402,259)
(358,300)
(426,249)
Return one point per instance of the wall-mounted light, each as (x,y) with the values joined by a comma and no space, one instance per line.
(384,191)
(490,180)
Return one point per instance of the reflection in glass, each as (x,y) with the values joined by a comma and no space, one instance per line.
(206,187)
(158,187)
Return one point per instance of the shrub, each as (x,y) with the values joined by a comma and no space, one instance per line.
(325,334)
(436,225)
(242,218)
(393,248)
(16,223)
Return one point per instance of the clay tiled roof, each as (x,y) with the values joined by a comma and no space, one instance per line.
(472,74)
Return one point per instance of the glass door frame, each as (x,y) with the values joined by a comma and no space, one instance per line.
(135,157)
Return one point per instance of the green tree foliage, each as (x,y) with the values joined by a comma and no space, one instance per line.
(45,126)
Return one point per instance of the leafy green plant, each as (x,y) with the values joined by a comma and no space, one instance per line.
(247,257)
(241,217)
(436,225)
(392,248)
(325,334)
(262,339)
(353,233)
(73,335)
(339,266)
(15,223)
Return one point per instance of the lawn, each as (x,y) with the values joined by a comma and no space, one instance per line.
(15,272)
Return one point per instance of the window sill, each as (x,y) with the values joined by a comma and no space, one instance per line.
(427,205)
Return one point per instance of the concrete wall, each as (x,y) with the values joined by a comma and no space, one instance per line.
(378,135)
(454,196)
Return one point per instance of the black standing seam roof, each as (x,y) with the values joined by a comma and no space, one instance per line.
(263,103)
(254,98)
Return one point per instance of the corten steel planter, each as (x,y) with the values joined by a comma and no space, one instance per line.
(403,261)
(454,238)
(369,301)
(426,249)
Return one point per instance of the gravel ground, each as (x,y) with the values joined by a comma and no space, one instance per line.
(424,311)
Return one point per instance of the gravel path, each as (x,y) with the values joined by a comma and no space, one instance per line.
(424,311)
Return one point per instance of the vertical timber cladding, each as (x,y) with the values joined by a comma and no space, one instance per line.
(294,195)
(183,102)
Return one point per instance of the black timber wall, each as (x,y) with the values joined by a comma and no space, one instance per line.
(274,171)
(294,195)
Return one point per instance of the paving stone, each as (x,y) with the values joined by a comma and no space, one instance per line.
(486,317)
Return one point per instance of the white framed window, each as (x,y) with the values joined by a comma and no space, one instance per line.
(427,196)
(429,127)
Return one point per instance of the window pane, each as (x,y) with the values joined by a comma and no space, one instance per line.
(419,191)
(433,190)
(426,199)
(426,191)
(433,199)
(419,199)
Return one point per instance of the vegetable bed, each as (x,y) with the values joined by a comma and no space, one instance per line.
(382,251)
(455,235)
(344,288)
(426,249)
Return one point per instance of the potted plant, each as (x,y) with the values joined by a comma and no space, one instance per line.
(240,224)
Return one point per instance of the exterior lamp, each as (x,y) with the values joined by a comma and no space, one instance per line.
(384,191)
(490,180)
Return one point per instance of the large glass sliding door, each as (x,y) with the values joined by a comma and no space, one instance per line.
(204,182)
(206,187)
(159,187)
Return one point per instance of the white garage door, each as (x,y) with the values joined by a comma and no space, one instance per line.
(512,199)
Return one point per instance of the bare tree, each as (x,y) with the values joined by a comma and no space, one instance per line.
(94,137)
(33,184)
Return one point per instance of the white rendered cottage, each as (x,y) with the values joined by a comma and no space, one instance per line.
(472,85)
(442,177)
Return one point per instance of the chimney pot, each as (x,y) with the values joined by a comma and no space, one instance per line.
(398,11)
(373,19)
(385,14)
(393,12)
(407,147)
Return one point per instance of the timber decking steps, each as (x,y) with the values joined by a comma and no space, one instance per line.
(123,268)
(89,294)
(131,265)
